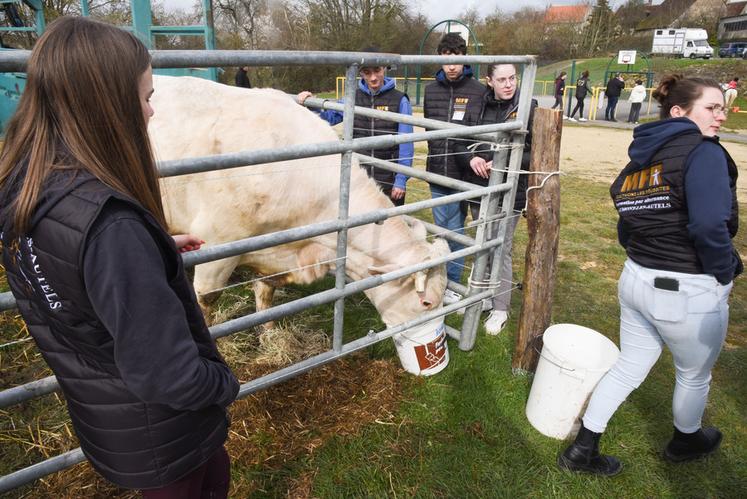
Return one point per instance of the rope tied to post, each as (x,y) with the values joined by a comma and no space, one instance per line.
(495,146)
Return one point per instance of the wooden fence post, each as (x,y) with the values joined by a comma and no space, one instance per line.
(543,225)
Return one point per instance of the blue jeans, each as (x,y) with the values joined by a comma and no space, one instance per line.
(609,112)
(450,217)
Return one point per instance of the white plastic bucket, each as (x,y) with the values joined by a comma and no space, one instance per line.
(573,360)
(423,349)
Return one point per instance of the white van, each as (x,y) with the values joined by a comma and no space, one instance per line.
(682,42)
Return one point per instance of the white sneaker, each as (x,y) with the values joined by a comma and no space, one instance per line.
(572,119)
(451,297)
(582,119)
(495,321)
(565,117)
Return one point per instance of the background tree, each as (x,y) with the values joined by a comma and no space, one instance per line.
(630,14)
(243,19)
(598,31)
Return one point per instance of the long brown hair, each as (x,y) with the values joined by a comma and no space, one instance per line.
(678,90)
(81,109)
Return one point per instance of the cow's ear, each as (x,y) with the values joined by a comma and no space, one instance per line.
(383,269)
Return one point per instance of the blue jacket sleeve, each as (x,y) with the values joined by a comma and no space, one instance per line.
(331,117)
(709,209)
(155,353)
(406,151)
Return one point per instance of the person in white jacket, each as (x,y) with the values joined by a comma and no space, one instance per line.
(637,96)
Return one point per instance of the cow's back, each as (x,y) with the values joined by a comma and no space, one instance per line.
(196,117)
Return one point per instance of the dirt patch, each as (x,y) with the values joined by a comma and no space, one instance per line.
(279,424)
(600,153)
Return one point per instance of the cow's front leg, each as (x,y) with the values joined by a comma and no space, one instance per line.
(210,280)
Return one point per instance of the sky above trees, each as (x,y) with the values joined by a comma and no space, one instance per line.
(439,10)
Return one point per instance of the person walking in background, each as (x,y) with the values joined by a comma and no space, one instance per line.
(453,96)
(637,96)
(675,284)
(242,77)
(730,95)
(499,105)
(378,91)
(614,88)
(97,277)
(559,90)
(582,90)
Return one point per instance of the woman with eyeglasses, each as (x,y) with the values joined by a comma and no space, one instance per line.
(678,213)
(500,104)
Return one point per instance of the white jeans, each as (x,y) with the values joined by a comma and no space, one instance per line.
(692,322)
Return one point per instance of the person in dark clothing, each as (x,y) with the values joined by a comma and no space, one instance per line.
(98,279)
(242,77)
(678,214)
(378,91)
(582,90)
(453,96)
(559,90)
(500,104)
(614,88)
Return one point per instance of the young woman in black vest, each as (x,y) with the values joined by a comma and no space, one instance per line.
(98,279)
(677,207)
(500,104)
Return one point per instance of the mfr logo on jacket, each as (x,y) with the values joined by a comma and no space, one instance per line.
(643,190)
(460,108)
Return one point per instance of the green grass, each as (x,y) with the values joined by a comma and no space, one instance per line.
(463,432)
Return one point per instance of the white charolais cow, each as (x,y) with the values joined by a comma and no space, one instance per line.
(196,117)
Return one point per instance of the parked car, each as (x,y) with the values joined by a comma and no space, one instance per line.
(732,49)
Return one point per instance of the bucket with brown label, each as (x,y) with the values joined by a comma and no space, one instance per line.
(423,349)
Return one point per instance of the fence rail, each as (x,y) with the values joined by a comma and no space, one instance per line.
(496,205)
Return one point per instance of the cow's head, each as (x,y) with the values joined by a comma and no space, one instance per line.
(411,296)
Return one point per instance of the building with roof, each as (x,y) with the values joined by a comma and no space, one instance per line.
(733,26)
(682,14)
(574,15)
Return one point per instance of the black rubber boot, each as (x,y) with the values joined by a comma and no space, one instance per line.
(689,446)
(583,455)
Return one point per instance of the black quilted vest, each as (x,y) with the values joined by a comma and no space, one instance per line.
(131,443)
(369,127)
(456,102)
(651,202)
(496,111)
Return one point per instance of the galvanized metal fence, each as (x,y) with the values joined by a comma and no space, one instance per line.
(497,200)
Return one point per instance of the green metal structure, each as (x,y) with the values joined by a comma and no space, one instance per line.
(649,72)
(13,84)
